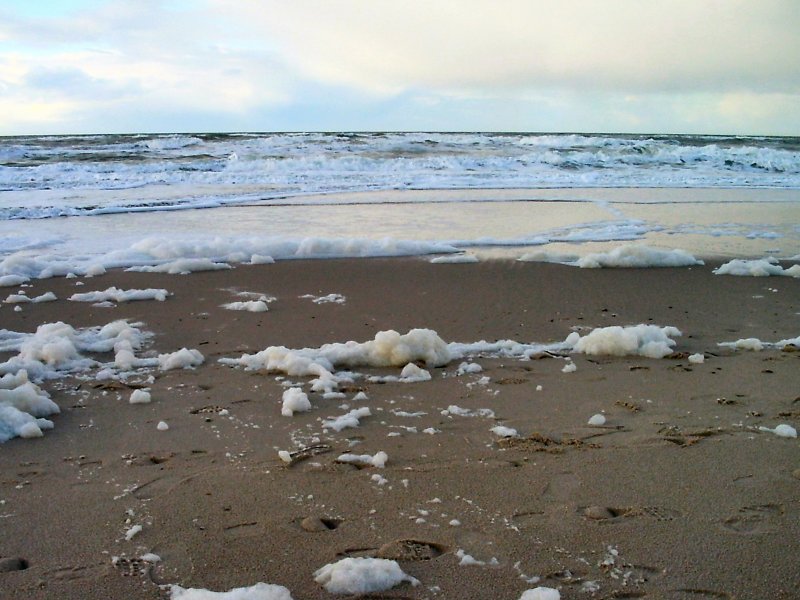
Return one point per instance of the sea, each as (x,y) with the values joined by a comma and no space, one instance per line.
(71,203)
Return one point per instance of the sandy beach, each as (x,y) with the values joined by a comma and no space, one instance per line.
(679,494)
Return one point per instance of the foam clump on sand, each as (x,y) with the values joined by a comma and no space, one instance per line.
(294,400)
(140,397)
(782,430)
(351,419)
(182,266)
(388,349)
(12,280)
(261,259)
(22,407)
(757,345)
(182,256)
(332,298)
(788,342)
(413,373)
(548,257)
(114,294)
(507,348)
(597,420)
(753,344)
(259,591)
(182,359)
(467,560)
(378,460)
(361,576)
(541,593)
(259,305)
(55,348)
(132,532)
(267,249)
(466,367)
(455,259)
(763,267)
(23,298)
(636,256)
(635,340)
(454,409)
(504,432)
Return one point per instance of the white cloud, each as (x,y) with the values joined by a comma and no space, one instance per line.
(633,45)
(636,65)
(132,57)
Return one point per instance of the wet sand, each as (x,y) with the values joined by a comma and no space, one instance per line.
(678,495)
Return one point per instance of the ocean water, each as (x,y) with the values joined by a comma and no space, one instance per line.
(67,202)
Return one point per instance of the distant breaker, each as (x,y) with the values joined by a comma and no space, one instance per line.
(202,171)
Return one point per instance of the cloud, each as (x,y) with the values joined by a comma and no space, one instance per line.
(634,45)
(144,57)
(635,65)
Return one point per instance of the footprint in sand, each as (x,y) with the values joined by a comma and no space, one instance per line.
(752,520)
(176,565)
(131,566)
(7,565)
(367,552)
(403,549)
(316,524)
(607,513)
(407,550)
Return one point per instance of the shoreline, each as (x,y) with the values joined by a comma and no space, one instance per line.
(487,223)
(679,495)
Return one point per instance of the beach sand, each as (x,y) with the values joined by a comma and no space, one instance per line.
(678,495)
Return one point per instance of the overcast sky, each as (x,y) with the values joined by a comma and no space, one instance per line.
(693,66)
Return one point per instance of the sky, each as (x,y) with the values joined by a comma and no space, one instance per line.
(638,66)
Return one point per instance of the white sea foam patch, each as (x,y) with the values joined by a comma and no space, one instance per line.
(23,406)
(53,350)
(763,267)
(388,349)
(12,280)
(23,298)
(507,348)
(350,419)
(627,256)
(248,305)
(180,256)
(548,257)
(114,294)
(57,349)
(637,340)
(182,266)
(597,231)
(259,591)
(361,576)
(636,256)
(756,345)
(294,400)
(332,298)
(455,259)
